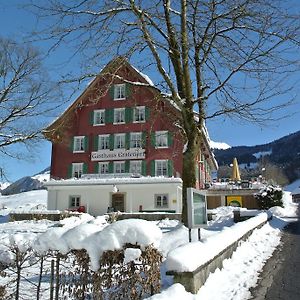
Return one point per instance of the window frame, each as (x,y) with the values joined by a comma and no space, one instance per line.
(136,145)
(101,111)
(101,139)
(118,111)
(132,162)
(119,163)
(76,199)
(106,164)
(161,135)
(159,161)
(161,205)
(118,135)
(136,111)
(80,170)
(82,143)
(117,91)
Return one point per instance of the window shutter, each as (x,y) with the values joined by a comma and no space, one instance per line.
(111,92)
(91,117)
(85,168)
(110,167)
(144,168)
(128,115)
(127,90)
(147,113)
(86,143)
(152,166)
(72,144)
(127,140)
(96,143)
(144,136)
(96,168)
(170,168)
(170,139)
(153,142)
(69,171)
(111,142)
(109,116)
(127,166)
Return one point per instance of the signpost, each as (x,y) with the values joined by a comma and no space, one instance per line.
(197,210)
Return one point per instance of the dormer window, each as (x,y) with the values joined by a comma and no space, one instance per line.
(119,91)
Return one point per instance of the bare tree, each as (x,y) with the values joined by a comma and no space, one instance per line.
(218,57)
(25,91)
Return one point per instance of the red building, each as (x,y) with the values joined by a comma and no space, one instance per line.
(121,125)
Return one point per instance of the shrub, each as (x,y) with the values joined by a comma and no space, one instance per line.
(269,197)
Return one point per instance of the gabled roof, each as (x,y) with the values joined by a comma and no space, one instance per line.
(110,69)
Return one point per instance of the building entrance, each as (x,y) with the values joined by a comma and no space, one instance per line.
(118,202)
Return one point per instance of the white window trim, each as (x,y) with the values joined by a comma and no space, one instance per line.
(74,141)
(117,86)
(99,138)
(134,162)
(80,165)
(70,201)
(119,163)
(159,161)
(116,110)
(94,119)
(165,132)
(141,142)
(99,168)
(134,110)
(115,139)
(161,206)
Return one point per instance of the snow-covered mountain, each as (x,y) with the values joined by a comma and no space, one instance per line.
(219,145)
(27,183)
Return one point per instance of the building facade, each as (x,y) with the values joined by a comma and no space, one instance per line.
(121,126)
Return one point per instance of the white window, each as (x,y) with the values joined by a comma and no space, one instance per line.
(78,145)
(135,140)
(119,115)
(103,142)
(77,169)
(103,167)
(119,167)
(99,117)
(139,114)
(119,91)
(120,141)
(161,168)
(74,201)
(161,139)
(135,167)
(161,201)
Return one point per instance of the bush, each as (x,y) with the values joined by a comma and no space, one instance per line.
(269,197)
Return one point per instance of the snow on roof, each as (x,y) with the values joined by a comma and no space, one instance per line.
(146,77)
(219,145)
(111,181)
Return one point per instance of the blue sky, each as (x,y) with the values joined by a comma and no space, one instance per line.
(15,22)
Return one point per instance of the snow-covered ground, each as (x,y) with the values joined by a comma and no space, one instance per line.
(232,282)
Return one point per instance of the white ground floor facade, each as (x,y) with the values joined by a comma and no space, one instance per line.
(99,196)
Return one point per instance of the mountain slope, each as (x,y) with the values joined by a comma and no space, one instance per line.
(283,153)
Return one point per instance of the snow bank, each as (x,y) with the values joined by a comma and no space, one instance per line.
(115,236)
(189,257)
(176,291)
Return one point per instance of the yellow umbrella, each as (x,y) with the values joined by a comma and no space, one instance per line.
(235,171)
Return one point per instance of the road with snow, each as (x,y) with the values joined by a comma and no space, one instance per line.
(280,279)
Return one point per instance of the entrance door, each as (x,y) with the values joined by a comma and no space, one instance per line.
(118,203)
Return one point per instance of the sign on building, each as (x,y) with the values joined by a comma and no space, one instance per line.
(197,208)
(120,154)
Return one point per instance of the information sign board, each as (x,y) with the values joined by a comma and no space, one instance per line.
(197,208)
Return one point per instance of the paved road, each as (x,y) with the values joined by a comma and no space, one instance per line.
(280,278)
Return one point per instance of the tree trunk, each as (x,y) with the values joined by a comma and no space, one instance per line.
(188,173)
